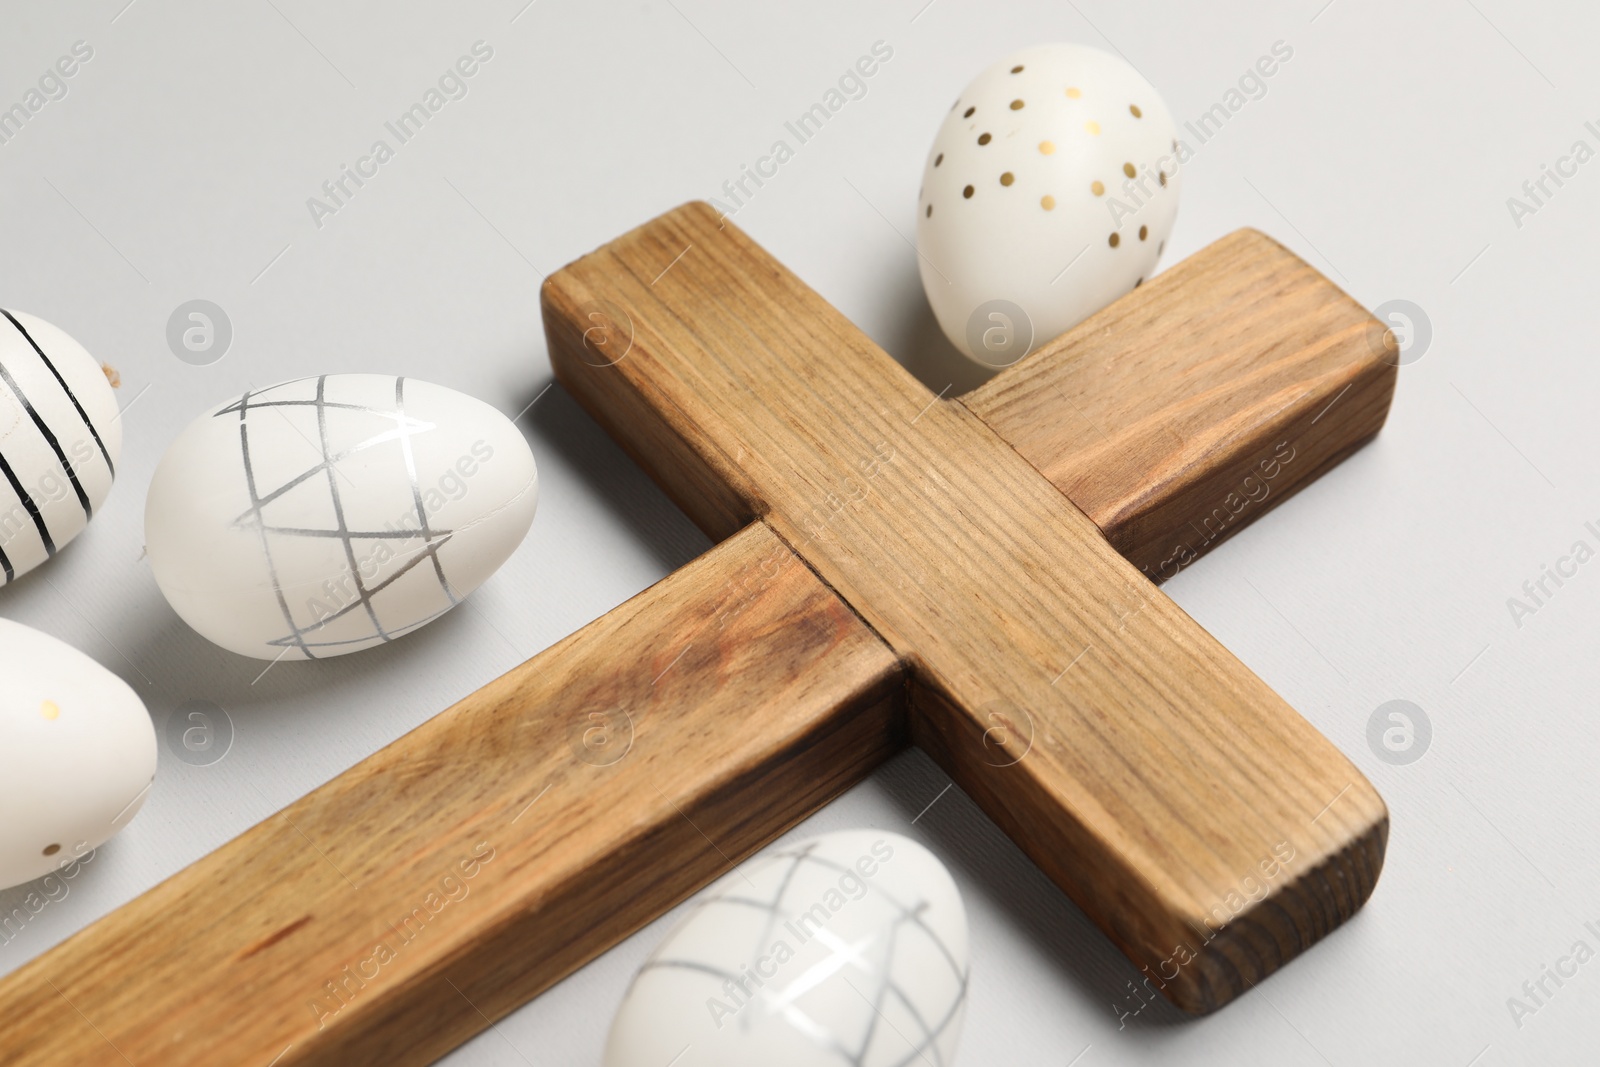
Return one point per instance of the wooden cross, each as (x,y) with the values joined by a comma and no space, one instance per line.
(894,568)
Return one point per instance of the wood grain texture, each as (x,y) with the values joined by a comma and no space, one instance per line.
(1189,408)
(1145,769)
(495,848)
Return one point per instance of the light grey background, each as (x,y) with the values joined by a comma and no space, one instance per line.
(179,165)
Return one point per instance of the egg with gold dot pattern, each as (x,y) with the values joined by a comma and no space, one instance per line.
(1051,189)
(77,754)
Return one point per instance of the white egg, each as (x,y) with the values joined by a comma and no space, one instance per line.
(847,948)
(327,515)
(77,754)
(59,441)
(1050,191)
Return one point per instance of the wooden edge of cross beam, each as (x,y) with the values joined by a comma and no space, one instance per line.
(1189,408)
(398,910)
(1277,907)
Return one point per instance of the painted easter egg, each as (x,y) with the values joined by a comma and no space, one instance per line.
(60,439)
(326,515)
(1049,192)
(77,754)
(847,948)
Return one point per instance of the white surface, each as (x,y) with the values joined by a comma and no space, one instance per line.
(1050,190)
(178,167)
(77,760)
(319,517)
(850,947)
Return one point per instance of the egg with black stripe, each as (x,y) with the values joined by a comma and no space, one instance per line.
(1050,191)
(60,440)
